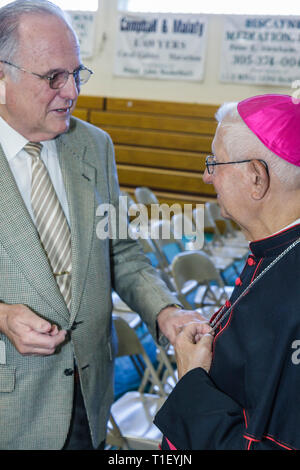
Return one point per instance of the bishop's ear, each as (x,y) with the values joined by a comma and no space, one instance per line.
(260,179)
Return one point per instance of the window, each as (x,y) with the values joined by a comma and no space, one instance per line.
(87,5)
(255,7)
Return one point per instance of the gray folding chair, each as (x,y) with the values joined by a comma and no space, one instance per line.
(221,260)
(231,237)
(162,235)
(121,309)
(131,422)
(194,273)
(145,196)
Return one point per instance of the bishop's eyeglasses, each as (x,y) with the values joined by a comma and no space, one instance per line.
(59,78)
(211,162)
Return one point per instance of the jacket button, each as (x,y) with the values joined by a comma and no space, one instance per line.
(68,371)
(250,261)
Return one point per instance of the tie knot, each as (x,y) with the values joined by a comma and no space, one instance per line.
(33,148)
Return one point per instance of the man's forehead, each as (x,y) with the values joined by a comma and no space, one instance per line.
(42,30)
(45,37)
(217,138)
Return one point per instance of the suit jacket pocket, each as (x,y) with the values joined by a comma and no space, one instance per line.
(7,379)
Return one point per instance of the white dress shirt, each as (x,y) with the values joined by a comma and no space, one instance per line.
(20,164)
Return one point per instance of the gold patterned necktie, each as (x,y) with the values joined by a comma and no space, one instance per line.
(50,221)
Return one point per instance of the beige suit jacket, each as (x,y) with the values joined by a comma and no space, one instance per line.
(36,392)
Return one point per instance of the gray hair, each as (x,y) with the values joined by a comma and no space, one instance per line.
(241,143)
(10,16)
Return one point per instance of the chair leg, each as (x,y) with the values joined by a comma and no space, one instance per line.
(117,436)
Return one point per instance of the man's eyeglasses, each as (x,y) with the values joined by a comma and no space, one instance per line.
(211,162)
(59,78)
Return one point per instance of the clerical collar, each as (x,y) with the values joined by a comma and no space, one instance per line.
(276,243)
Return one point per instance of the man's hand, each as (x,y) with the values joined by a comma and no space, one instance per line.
(193,348)
(29,333)
(171,320)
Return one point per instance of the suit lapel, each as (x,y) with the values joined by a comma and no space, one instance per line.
(79,179)
(20,239)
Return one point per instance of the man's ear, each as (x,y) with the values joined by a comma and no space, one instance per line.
(259,178)
(2,88)
(2,91)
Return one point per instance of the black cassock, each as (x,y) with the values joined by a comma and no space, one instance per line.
(251,397)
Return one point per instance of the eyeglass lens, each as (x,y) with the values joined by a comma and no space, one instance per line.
(210,164)
(58,80)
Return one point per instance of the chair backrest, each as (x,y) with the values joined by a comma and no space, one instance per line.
(149,248)
(207,220)
(210,224)
(128,341)
(195,270)
(162,234)
(214,211)
(145,196)
(195,266)
(130,200)
(182,226)
(129,344)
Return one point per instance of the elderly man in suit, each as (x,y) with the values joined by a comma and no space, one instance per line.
(56,274)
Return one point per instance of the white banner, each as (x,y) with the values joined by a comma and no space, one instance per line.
(160,46)
(261,50)
(84,26)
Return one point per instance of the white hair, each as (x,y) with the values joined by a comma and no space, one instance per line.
(10,16)
(241,144)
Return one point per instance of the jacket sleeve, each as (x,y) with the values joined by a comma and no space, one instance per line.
(133,276)
(199,416)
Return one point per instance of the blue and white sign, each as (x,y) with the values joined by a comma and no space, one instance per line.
(261,50)
(161,46)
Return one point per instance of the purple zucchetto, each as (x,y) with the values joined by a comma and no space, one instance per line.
(275,120)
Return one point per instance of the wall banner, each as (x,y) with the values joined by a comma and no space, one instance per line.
(261,50)
(84,26)
(160,46)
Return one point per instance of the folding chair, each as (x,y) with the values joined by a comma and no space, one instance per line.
(131,422)
(231,236)
(221,261)
(162,236)
(166,367)
(194,273)
(158,260)
(145,196)
(185,228)
(121,309)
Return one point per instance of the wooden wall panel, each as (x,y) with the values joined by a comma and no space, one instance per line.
(153,121)
(160,158)
(158,144)
(159,179)
(161,107)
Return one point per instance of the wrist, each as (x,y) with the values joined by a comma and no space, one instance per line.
(170,307)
